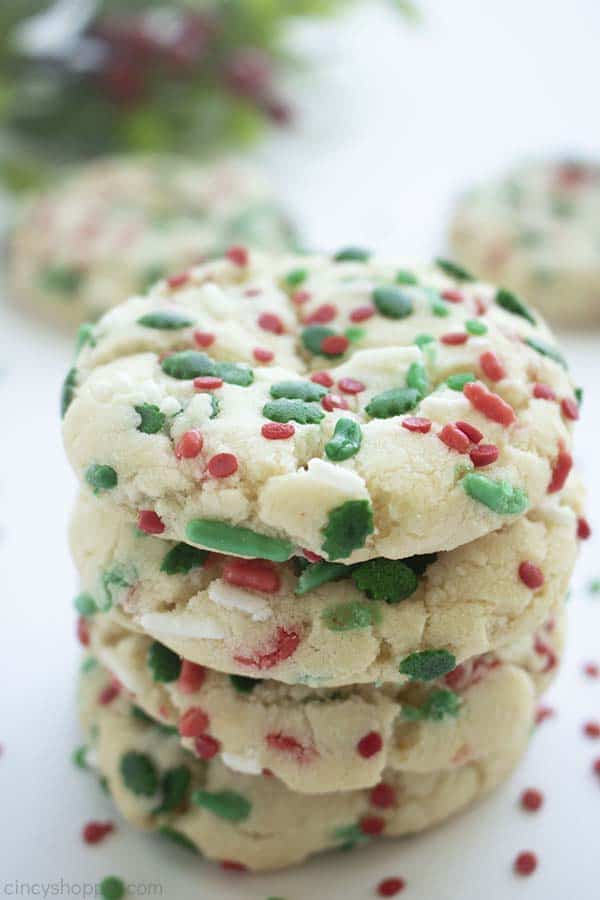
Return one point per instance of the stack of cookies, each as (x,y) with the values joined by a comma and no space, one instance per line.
(326,528)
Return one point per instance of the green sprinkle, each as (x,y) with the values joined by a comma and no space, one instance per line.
(394,402)
(347,529)
(243,684)
(163,663)
(188,364)
(112,888)
(422,340)
(226,805)
(350,616)
(298,390)
(316,574)
(546,350)
(101,478)
(346,440)
(352,254)
(579,395)
(231,373)
(499,496)
(139,773)
(284,410)
(354,333)
(237,541)
(385,579)
(85,335)
(182,558)
(68,391)
(427,665)
(440,309)
(350,836)
(79,757)
(392,302)
(453,269)
(594,586)
(176,837)
(416,378)
(314,335)
(512,304)
(88,664)
(165,320)
(476,326)
(64,280)
(437,706)
(405,277)
(138,713)
(152,418)
(174,786)
(113,580)
(296,277)
(85,604)
(458,381)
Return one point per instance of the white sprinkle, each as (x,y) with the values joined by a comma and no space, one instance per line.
(236,598)
(183,625)
(248,765)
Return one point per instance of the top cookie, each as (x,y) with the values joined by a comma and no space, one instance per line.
(261,405)
(537,231)
(116,226)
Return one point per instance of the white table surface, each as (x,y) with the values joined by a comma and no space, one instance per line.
(393,123)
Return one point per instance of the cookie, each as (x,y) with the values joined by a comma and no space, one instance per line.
(443,415)
(112,228)
(536,230)
(317,741)
(323,625)
(255,821)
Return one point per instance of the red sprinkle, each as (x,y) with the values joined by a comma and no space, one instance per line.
(592,730)
(229,865)
(454,338)
(237,255)
(372,825)
(570,409)
(543,392)
(416,423)
(383,795)
(560,470)
(370,744)
(286,644)
(204,338)
(109,692)
(261,354)
(206,746)
(474,434)
(592,670)
(323,314)
(312,557)
(222,465)
(361,313)
(94,832)
(179,280)
(531,575)
(452,296)
(543,713)
(83,631)
(596,766)
(333,401)
(193,722)
(525,863)
(189,445)
(532,799)
(489,404)
(191,677)
(277,431)
(270,322)
(335,344)
(351,386)
(389,887)
(491,366)
(300,297)
(288,744)
(150,522)
(323,378)
(207,383)
(484,455)
(252,574)
(454,438)
(584,530)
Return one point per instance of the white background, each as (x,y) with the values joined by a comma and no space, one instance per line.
(392,124)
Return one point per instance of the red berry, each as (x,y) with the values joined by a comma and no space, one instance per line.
(531,575)
(252,574)
(416,423)
(83,631)
(335,344)
(543,392)
(277,431)
(207,383)
(570,409)
(286,644)
(454,438)
(261,354)
(350,386)
(94,832)
(191,677)
(189,445)
(389,887)
(333,401)
(560,470)
(150,522)
(372,825)
(238,256)
(206,746)
(203,338)
(178,280)
(592,730)
(193,722)
(532,799)
(454,339)
(484,455)
(323,378)
(525,863)
(491,366)
(489,404)
(270,322)
(222,465)
(474,434)
(383,795)
(361,313)
(370,744)
(452,296)
(323,314)
(584,530)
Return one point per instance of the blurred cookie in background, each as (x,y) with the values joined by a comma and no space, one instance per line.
(112,228)
(536,231)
